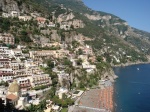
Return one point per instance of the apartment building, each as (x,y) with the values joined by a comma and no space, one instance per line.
(7,39)
(25,18)
(5,63)
(44,54)
(6,75)
(24,84)
(40,80)
(4,52)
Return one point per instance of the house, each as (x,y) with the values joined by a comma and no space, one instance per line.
(56,108)
(61,91)
(14,14)
(5,15)
(51,24)
(89,68)
(86,65)
(41,20)
(83,57)
(7,38)
(25,18)
(55,44)
(87,50)
(65,27)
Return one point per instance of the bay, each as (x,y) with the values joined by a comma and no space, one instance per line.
(132,88)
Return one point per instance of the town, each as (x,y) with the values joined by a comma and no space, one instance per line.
(56,74)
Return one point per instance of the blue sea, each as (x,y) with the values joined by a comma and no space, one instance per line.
(132,88)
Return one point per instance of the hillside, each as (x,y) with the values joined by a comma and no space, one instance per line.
(111,36)
(57,51)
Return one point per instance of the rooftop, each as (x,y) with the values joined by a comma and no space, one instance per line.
(12,97)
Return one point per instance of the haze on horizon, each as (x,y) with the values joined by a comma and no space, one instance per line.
(135,12)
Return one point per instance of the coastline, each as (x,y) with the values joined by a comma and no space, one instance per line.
(130,63)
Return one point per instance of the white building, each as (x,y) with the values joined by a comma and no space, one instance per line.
(40,80)
(14,13)
(4,52)
(5,15)
(6,75)
(25,18)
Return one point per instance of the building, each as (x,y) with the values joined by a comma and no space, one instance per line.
(17,54)
(14,14)
(4,52)
(55,44)
(24,84)
(7,38)
(13,93)
(5,63)
(45,54)
(5,15)
(40,80)
(89,68)
(25,18)
(41,20)
(6,75)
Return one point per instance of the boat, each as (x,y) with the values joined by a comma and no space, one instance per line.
(138,69)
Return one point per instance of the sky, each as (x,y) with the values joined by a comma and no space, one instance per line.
(135,12)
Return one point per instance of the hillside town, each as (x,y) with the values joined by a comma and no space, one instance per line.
(26,74)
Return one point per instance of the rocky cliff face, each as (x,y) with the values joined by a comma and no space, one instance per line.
(14,5)
(65,17)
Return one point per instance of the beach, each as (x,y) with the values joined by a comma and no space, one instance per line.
(100,100)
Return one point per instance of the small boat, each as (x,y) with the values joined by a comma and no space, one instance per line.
(138,69)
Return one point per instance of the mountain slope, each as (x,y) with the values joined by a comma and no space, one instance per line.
(110,35)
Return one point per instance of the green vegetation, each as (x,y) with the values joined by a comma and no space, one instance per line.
(2,83)
(37,108)
(64,110)
(67,62)
(62,102)
(40,87)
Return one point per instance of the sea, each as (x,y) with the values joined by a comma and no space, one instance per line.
(132,88)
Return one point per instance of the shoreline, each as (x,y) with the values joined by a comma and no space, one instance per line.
(129,64)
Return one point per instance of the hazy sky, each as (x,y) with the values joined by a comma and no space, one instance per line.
(135,12)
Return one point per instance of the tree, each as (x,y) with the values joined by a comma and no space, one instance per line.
(99,58)
(80,52)
(67,62)
(50,63)
(79,61)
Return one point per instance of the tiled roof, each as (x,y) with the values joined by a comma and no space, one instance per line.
(11,97)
